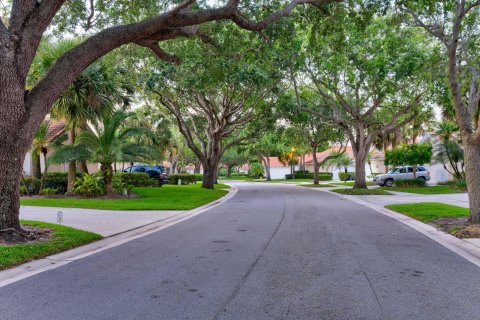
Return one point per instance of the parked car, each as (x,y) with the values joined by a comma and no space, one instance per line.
(401,173)
(155,172)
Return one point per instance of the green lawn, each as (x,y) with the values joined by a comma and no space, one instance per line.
(64,238)
(316,185)
(168,197)
(429,211)
(362,192)
(427,190)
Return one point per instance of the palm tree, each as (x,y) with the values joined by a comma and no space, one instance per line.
(449,151)
(41,145)
(107,143)
(94,92)
(341,161)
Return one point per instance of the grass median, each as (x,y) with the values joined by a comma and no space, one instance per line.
(62,239)
(168,197)
(428,190)
(429,211)
(362,192)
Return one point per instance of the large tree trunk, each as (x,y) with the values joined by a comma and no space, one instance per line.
(209,175)
(316,179)
(197,167)
(36,166)
(268,176)
(12,164)
(360,172)
(472,174)
(72,165)
(229,171)
(107,173)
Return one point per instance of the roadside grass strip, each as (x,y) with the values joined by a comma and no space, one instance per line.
(63,238)
(362,192)
(168,197)
(429,211)
(427,190)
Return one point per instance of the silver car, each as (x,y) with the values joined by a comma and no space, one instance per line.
(401,173)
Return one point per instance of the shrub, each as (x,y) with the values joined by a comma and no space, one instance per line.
(346,176)
(256,170)
(199,177)
(410,183)
(119,186)
(32,184)
(137,179)
(23,190)
(186,178)
(325,176)
(48,192)
(89,185)
(458,184)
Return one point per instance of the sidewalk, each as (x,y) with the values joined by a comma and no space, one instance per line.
(103,222)
(456,199)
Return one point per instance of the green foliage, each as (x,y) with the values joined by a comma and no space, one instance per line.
(136,179)
(346,176)
(48,192)
(256,170)
(199,177)
(411,154)
(90,185)
(119,186)
(458,184)
(323,176)
(58,181)
(186,178)
(32,184)
(410,183)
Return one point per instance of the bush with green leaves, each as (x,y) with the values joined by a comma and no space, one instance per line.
(346,176)
(33,185)
(410,183)
(199,176)
(48,192)
(119,186)
(457,184)
(256,170)
(137,179)
(90,185)
(409,154)
(185,177)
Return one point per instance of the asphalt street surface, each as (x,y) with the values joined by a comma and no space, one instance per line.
(271,252)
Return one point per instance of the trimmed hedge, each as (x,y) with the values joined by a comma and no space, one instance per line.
(137,179)
(349,176)
(59,181)
(410,183)
(199,176)
(186,178)
(323,176)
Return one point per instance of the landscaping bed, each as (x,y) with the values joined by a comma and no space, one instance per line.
(445,217)
(168,197)
(44,239)
(363,192)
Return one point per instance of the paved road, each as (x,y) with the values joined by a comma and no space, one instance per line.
(271,252)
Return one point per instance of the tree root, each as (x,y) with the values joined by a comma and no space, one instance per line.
(15,236)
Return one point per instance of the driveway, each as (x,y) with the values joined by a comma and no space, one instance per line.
(270,252)
(104,222)
(456,199)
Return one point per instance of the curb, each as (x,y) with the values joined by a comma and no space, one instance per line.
(459,246)
(32,268)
